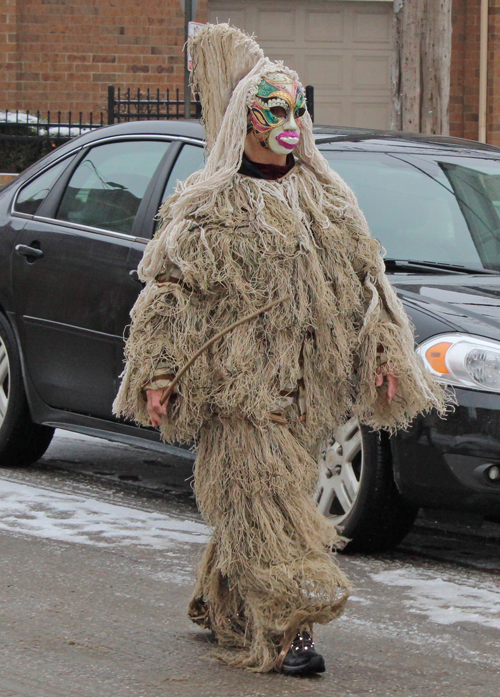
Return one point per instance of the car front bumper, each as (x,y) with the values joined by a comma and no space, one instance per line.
(443,463)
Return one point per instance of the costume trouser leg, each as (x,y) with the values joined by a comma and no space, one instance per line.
(267,571)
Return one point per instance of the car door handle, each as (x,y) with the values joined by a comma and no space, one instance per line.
(26,251)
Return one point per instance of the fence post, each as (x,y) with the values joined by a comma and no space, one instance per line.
(111,104)
(197,108)
(310,101)
(188,17)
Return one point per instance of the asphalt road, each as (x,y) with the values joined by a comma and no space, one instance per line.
(99,549)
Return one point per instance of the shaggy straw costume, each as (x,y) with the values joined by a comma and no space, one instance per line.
(227,245)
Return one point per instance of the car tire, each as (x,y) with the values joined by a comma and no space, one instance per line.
(357,491)
(22,442)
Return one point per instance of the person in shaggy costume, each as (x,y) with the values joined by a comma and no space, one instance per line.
(265,221)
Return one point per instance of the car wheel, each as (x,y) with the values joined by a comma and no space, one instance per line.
(22,442)
(357,491)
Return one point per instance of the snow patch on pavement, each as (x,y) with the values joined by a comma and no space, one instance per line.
(357,599)
(444,601)
(74,518)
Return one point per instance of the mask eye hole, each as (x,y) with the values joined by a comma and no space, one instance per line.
(278,111)
(300,112)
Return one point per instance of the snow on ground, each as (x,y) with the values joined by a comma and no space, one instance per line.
(39,125)
(68,517)
(444,597)
(445,601)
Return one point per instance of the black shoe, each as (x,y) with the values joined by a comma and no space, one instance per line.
(301,658)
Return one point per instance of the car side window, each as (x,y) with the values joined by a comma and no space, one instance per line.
(190,159)
(107,187)
(31,196)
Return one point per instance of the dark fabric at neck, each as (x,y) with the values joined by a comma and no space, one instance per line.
(257,170)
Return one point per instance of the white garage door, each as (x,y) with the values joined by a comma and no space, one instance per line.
(342,48)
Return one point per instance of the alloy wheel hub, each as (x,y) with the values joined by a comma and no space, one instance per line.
(340,468)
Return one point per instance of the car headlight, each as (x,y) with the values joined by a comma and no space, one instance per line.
(463,360)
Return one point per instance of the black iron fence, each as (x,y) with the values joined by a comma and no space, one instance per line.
(128,105)
(25,137)
(140,106)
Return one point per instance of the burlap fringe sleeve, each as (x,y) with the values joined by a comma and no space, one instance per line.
(386,327)
(169,321)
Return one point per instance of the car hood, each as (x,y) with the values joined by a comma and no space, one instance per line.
(464,303)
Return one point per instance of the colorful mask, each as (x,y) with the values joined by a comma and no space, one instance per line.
(276,112)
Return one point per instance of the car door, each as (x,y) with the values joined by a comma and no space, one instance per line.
(73,272)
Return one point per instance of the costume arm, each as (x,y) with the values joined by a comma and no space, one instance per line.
(385,336)
(169,322)
(163,374)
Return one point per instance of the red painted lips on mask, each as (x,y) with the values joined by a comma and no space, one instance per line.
(288,139)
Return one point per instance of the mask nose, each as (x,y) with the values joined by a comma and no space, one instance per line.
(290,124)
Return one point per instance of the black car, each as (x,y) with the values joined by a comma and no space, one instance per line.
(73,228)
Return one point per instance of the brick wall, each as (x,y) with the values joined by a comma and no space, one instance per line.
(464,92)
(7,48)
(62,54)
(493,111)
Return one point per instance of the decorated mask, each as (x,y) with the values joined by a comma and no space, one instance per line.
(276,112)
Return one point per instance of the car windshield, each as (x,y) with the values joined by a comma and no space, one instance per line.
(437,209)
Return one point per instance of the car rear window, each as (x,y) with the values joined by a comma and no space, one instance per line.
(31,196)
